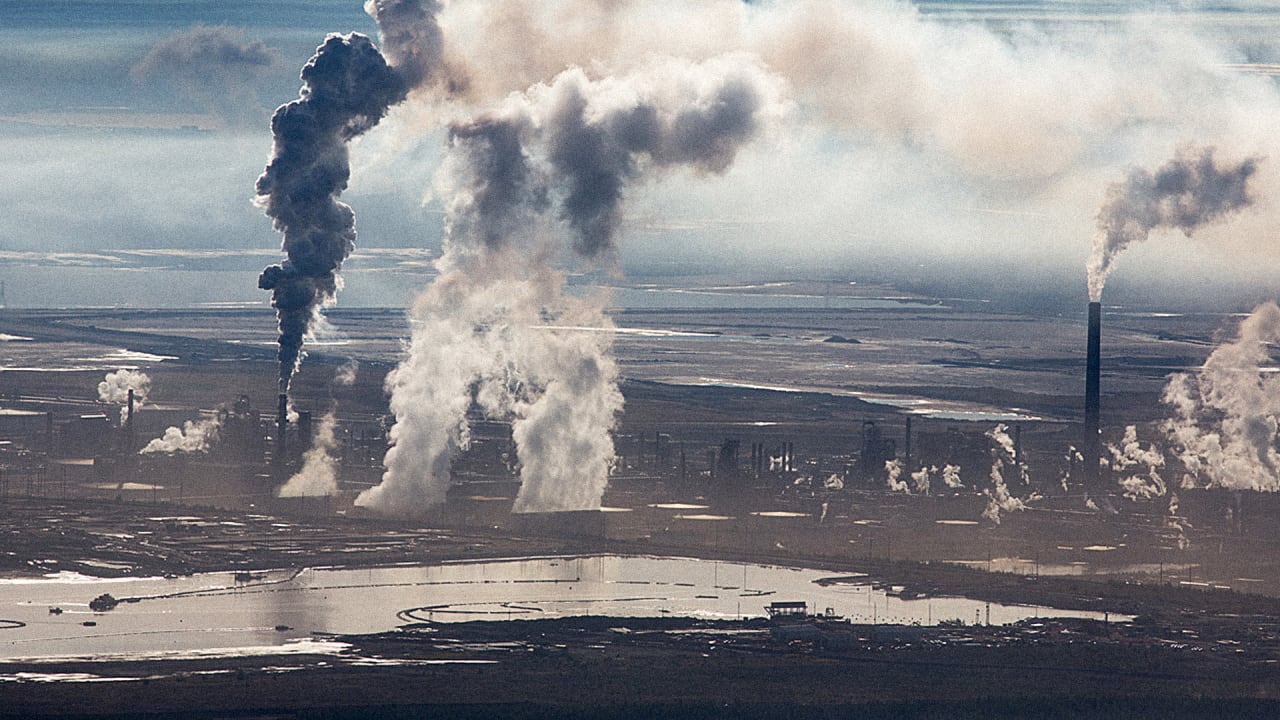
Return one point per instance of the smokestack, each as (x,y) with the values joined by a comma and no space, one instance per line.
(1092,400)
(282,424)
(128,424)
(906,451)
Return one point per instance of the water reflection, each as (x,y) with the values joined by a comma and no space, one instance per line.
(215,612)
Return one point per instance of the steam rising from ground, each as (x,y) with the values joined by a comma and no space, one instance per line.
(319,472)
(893,468)
(999,499)
(1138,467)
(115,388)
(194,436)
(548,168)
(1226,414)
(1187,192)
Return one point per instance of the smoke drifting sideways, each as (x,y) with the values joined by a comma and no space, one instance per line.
(1226,414)
(1189,191)
(115,387)
(347,88)
(533,186)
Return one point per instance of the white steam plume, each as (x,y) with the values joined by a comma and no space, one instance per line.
(1138,467)
(894,470)
(1187,192)
(951,476)
(319,472)
(921,479)
(115,388)
(999,499)
(193,437)
(1226,414)
(495,329)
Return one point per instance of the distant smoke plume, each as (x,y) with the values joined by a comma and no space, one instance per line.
(347,87)
(115,388)
(1226,414)
(192,437)
(1186,193)
(1137,467)
(495,330)
(215,67)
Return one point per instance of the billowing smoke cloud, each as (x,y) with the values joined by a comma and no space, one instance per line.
(1137,466)
(115,388)
(1226,414)
(347,87)
(215,67)
(495,329)
(1187,192)
(193,437)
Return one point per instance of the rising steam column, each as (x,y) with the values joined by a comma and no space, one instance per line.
(1092,449)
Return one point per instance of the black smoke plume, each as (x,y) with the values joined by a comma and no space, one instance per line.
(347,87)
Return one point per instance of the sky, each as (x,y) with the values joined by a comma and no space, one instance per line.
(959,148)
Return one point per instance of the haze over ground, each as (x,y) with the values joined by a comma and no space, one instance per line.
(948,147)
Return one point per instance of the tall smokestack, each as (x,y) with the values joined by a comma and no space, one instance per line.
(128,424)
(1092,400)
(906,451)
(282,425)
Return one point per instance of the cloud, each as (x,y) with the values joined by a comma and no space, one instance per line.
(215,67)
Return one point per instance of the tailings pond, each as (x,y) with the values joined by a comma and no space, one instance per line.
(228,613)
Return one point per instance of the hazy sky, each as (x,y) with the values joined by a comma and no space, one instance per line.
(963,145)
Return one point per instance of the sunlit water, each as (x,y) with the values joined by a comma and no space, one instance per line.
(213,612)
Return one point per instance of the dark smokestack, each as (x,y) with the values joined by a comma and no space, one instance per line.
(1092,400)
(128,424)
(282,425)
(906,450)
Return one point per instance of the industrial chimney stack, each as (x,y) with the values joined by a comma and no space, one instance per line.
(128,424)
(282,425)
(1092,401)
